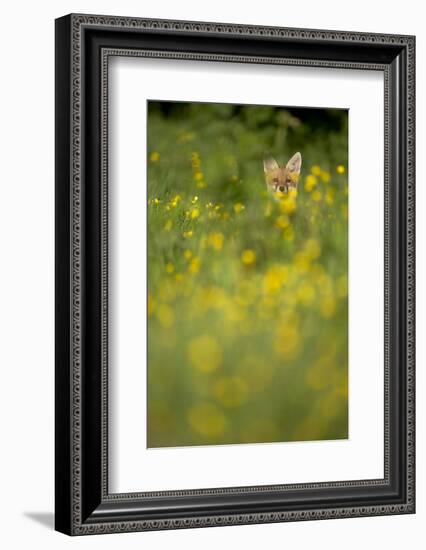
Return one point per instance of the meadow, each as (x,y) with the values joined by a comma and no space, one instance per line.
(247,295)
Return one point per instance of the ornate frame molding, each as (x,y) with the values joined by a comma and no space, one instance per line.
(73,50)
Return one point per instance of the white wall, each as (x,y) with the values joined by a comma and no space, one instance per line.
(26,289)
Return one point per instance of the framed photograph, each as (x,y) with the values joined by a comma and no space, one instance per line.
(234,274)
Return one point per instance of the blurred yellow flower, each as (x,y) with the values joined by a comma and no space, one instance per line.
(215,240)
(329,197)
(187,234)
(230,391)
(340,169)
(328,306)
(168,225)
(238,207)
(288,233)
(313,248)
(205,353)
(195,160)
(310,182)
(248,256)
(326,177)
(194,266)
(165,315)
(154,156)
(175,201)
(187,254)
(198,176)
(288,203)
(282,221)
(316,196)
(247,292)
(194,199)
(275,277)
(287,341)
(306,294)
(302,261)
(194,213)
(186,136)
(316,170)
(210,297)
(170,267)
(207,419)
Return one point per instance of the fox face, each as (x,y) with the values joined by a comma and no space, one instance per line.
(281,179)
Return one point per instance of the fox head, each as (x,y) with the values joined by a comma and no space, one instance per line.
(281,179)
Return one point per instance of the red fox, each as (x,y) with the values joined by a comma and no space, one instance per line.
(281,179)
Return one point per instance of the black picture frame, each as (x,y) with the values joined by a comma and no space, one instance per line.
(83,46)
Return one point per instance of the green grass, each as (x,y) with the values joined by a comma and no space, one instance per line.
(247,331)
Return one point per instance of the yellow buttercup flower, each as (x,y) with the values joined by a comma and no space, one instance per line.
(205,353)
(282,221)
(328,306)
(248,256)
(165,315)
(195,213)
(230,391)
(313,248)
(239,207)
(287,341)
(340,169)
(288,203)
(194,266)
(316,196)
(207,420)
(215,240)
(316,170)
(288,233)
(306,294)
(154,156)
(275,277)
(326,177)
(310,182)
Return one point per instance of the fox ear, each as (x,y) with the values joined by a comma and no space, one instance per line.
(270,164)
(295,163)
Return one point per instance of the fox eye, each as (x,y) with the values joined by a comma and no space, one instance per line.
(275,180)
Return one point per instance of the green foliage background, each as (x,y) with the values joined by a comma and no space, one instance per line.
(247,305)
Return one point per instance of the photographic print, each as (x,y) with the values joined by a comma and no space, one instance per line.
(247,274)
